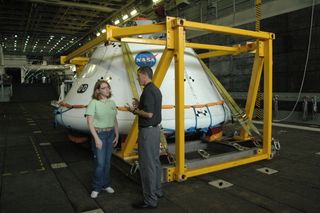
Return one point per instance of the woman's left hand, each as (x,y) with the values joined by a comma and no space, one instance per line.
(115,141)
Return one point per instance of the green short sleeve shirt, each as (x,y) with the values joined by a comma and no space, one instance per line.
(103,111)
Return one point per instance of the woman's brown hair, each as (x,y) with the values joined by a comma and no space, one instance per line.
(97,86)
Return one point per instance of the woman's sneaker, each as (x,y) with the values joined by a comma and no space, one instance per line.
(109,190)
(94,194)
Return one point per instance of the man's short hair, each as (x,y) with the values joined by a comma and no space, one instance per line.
(147,71)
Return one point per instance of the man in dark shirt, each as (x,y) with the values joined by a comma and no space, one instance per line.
(149,112)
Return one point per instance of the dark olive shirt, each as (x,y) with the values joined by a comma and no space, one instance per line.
(150,101)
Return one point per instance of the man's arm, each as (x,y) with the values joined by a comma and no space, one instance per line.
(142,113)
(139,112)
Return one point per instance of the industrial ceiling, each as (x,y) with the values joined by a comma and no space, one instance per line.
(38,28)
(55,27)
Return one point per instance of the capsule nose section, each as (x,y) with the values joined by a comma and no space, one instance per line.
(71,118)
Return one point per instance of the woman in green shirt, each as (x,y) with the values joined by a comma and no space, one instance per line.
(102,121)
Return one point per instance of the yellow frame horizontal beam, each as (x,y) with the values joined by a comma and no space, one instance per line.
(132,156)
(143,41)
(226,165)
(227,30)
(138,30)
(211,47)
(212,54)
(187,44)
(237,50)
(91,44)
(79,61)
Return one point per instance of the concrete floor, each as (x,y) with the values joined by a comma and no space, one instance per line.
(29,145)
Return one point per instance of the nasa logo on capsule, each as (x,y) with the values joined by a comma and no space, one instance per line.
(144,59)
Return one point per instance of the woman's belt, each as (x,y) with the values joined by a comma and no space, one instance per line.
(103,129)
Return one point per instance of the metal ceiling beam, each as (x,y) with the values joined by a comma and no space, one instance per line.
(104,22)
(73,25)
(5,12)
(75,4)
(62,31)
(73,29)
(63,26)
(74,14)
(273,8)
(16,21)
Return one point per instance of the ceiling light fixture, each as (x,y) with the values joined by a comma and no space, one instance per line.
(116,22)
(124,17)
(133,12)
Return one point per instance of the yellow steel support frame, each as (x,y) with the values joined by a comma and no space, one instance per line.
(80,62)
(254,84)
(175,44)
(83,49)
(179,43)
(235,50)
(267,98)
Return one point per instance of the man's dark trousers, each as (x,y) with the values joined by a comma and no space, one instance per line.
(149,163)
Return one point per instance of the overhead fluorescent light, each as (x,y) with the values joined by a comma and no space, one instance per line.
(98,34)
(103,30)
(116,22)
(124,17)
(133,12)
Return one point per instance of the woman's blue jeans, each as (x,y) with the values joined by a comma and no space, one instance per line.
(102,160)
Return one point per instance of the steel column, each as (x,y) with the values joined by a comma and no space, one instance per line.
(179,45)
(267,119)
(254,85)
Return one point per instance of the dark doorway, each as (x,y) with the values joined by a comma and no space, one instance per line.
(15,73)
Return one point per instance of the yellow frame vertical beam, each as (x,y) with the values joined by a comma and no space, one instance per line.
(267,118)
(254,84)
(179,45)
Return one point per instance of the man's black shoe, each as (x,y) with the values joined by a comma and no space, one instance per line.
(143,205)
